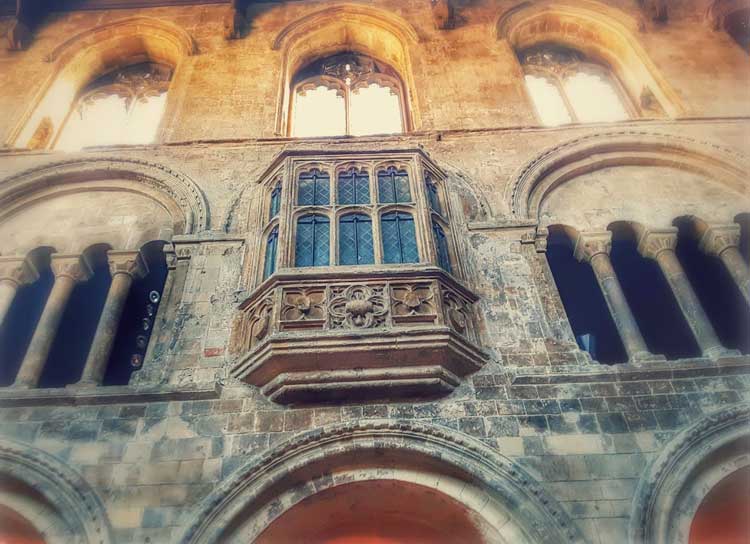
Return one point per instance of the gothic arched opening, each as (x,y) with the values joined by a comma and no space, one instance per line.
(16,529)
(722,515)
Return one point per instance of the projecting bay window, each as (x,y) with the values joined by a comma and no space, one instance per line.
(356,213)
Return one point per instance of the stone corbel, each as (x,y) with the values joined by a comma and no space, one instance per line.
(443,14)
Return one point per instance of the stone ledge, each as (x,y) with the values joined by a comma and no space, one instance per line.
(684,368)
(66,396)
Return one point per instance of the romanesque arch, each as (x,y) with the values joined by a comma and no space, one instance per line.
(364,29)
(55,499)
(601,32)
(504,502)
(553,168)
(83,57)
(692,463)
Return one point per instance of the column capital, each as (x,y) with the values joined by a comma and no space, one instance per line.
(651,242)
(127,262)
(18,270)
(590,244)
(718,238)
(540,239)
(74,267)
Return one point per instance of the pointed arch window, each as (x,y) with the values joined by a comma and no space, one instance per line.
(313,239)
(355,239)
(314,188)
(122,107)
(567,87)
(393,186)
(353,187)
(441,246)
(399,238)
(433,194)
(347,94)
(275,204)
(272,243)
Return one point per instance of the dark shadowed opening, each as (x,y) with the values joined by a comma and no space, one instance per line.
(718,293)
(22,317)
(743,220)
(16,529)
(73,339)
(584,304)
(650,298)
(138,316)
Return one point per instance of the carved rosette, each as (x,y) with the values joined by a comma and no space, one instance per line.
(413,302)
(457,313)
(303,308)
(357,307)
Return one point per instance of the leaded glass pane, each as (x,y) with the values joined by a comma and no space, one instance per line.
(432,195)
(354,187)
(355,240)
(441,243)
(393,186)
(313,237)
(314,188)
(399,238)
(269,264)
(275,201)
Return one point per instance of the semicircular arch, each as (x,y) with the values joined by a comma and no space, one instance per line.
(56,491)
(259,493)
(688,467)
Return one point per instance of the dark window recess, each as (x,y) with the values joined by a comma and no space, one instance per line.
(650,298)
(355,240)
(737,25)
(275,206)
(314,188)
(584,304)
(312,243)
(393,186)
(399,238)
(21,320)
(269,263)
(716,290)
(138,318)
(353,187)
(743,220)
(78,325)
(441,244)
(432,195)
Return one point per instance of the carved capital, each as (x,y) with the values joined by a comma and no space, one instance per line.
(70,266)
(652,242)
(127,262)
(540,239)
(718,238)
(17,270)
(589,244)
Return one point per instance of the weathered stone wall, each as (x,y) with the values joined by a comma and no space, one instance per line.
(154,450)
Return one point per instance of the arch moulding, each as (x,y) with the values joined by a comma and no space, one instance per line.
(602,32)
(176,191)
(674,484)
(62,487)
(271,484)
(564,162)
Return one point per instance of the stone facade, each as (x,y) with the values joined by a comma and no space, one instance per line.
(534,437)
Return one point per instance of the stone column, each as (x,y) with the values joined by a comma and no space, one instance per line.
(723,241)
(68,270)
(125,266)
(14,272)
(659,245)
(593,248)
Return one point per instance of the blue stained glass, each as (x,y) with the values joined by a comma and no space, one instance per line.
(313,237)
(314,188)
(393,186)
(355,240)
(275,202)
(269,264)
(354,187)
(432,195)
(441,243)
(399,238)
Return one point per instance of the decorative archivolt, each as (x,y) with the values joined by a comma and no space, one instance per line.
(677,480)
(82,518)
(602,32)
(175,191)
(272,478)
(564,162)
